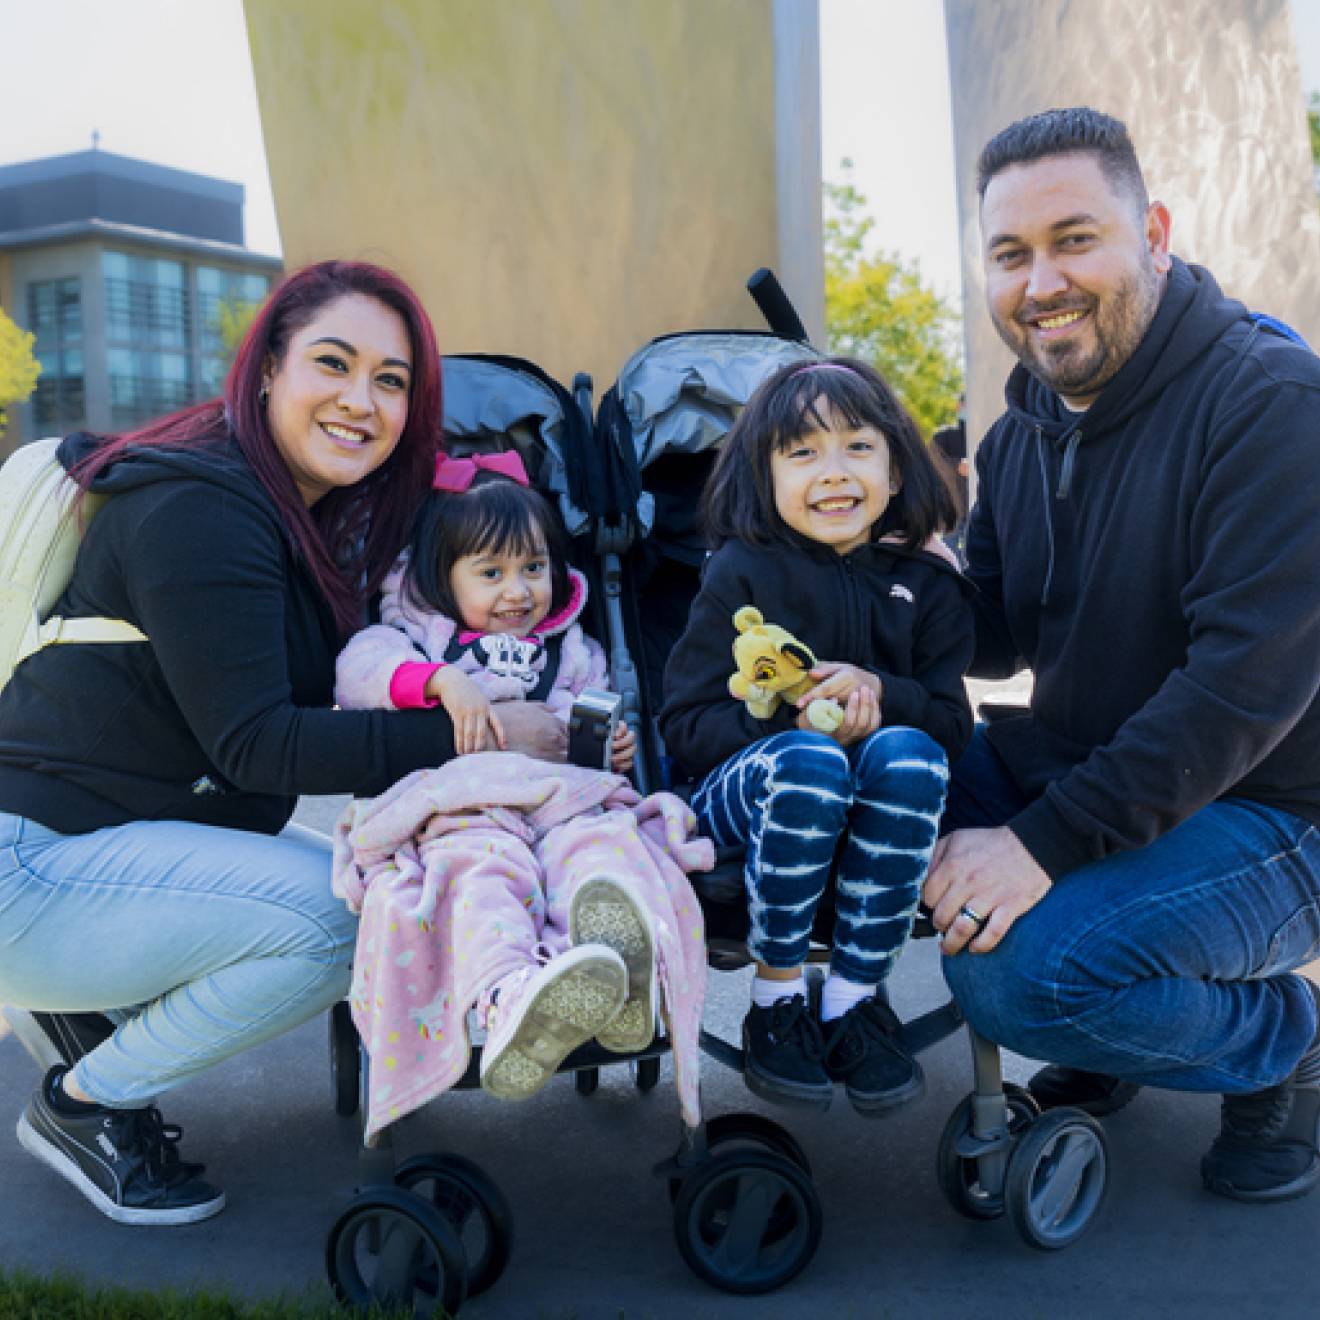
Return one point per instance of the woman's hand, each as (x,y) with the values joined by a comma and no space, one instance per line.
(532,728)
(840,682)
(624,752)
(476,725)
(861,717)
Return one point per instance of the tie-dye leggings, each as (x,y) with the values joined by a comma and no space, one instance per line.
(805,806)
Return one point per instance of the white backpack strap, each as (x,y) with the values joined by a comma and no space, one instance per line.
(41,526)
(57,631)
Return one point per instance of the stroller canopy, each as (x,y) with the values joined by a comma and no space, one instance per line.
(494,403)
(681,394)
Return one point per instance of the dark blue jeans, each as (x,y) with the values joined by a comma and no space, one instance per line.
(1170,966)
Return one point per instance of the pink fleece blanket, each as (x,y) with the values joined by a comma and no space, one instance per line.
(463,874)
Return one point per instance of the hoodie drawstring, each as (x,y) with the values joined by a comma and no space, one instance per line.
(1069,461)
(1049,520)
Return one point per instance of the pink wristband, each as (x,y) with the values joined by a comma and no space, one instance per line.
(408,686)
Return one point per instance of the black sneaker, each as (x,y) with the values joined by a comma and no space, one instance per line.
(1097,1094)
(784,1049)
(124,1161)
(1268,1147)
(864,1050)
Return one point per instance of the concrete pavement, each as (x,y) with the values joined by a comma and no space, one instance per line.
(593,1226)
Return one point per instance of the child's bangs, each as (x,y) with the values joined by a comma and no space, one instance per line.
(498,525)
(812,395)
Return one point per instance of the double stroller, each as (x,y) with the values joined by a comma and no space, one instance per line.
(747,1217)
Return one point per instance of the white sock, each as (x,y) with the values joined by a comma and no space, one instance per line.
(766,992)
(839,996)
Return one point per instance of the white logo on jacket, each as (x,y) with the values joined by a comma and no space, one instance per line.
(508,656)
(902,593)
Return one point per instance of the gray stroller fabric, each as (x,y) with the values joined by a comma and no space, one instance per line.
(490,406)
(681,394)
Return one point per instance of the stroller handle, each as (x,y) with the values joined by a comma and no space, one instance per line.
(779,313)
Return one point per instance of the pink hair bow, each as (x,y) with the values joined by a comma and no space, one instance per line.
(457,474)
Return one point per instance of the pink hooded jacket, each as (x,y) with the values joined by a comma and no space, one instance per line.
(386,666)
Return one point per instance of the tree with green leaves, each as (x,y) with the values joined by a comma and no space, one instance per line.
(18,368)
(1313,118)
(878,308)
(234,317)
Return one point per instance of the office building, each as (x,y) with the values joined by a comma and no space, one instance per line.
(125,271)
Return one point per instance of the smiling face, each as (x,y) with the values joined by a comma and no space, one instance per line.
(833,483)
(338,399)
(1074,272)
(502,592)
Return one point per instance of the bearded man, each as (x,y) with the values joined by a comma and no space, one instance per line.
(1132,872)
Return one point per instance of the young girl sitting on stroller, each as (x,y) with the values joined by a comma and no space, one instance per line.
(819,505)
(537,892)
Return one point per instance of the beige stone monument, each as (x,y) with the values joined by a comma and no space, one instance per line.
(561,180)
(1211,92)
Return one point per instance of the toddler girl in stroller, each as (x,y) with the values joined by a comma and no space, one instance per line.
(538,893)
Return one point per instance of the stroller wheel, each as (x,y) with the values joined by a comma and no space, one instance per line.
(959,1176)
(646,1073)
(345,1060)
(748,1132)
(1056,1179)
(586,1080)
(476,1208)
(393,1250)
(747,1221)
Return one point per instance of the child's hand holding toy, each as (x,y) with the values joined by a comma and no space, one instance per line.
(772,666)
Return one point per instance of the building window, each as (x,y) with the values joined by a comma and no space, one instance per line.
(147,337)
(226,301)
(55,317)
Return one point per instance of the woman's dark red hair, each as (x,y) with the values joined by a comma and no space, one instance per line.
(352,535)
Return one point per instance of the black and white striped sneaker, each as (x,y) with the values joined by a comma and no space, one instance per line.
(124,1161)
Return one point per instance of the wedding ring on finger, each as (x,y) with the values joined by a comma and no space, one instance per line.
(973,916)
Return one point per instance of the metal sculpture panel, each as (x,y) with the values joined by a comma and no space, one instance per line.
(1211,92)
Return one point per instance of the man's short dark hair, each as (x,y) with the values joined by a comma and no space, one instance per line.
(1062,132)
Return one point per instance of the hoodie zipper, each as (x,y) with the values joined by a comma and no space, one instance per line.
(851,593)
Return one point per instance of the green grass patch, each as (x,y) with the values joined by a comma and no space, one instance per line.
(26,1296)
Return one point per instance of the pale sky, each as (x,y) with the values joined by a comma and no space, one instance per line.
(170,81)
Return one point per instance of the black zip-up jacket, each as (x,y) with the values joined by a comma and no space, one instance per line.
(902,615)
(224,716)
(1155,561)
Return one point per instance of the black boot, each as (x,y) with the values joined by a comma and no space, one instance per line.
(1097,1094)
(1268,1147)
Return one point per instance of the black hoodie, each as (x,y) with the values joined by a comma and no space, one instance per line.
(1155,561)
(902,615)
(224,716)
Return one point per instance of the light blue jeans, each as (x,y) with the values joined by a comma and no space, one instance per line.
(1171,965)
(218,939)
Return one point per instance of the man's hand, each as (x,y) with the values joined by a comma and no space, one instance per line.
(988,873)
(624,751)
(532,728)
(476,726)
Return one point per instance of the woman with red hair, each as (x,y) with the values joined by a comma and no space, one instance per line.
(144,784)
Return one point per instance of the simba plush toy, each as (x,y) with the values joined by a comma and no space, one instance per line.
(772,666)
